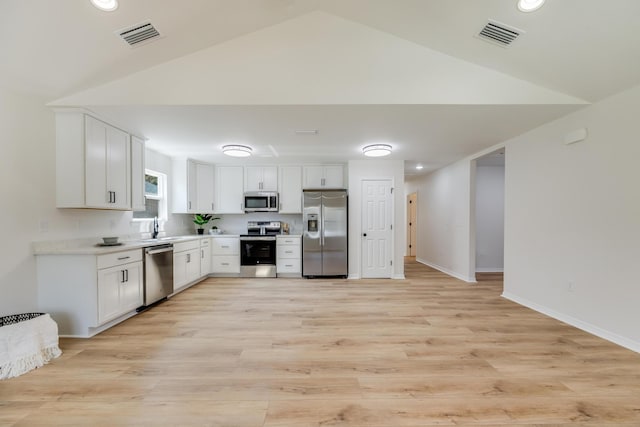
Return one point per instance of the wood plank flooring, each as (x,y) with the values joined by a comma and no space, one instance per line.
(426,351)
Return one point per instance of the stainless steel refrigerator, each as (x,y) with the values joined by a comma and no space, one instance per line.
(324,238)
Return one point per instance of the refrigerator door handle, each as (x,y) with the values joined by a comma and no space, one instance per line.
(321,224)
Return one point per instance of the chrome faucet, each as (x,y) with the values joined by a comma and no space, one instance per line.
(154,233)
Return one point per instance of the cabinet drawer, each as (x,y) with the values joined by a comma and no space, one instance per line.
(288,241)
(205,242)
(288,266)
(225,246)
(288,251)
(225,264)
(186,246)
(119,258)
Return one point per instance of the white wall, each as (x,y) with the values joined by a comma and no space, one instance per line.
(444,228)
(489,218)
(376,169)
(572,220)
(27,186)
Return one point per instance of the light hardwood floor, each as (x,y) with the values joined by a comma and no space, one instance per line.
(426,351)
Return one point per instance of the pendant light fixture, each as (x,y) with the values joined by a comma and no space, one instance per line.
(377,150)
(237,150)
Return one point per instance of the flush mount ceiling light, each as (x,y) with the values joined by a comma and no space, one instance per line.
(237,150)
(419,167)
(106,5)
(530,5)
(377,150)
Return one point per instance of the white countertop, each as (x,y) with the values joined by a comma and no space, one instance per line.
(91,246)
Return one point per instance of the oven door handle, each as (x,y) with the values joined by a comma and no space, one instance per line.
(265,239)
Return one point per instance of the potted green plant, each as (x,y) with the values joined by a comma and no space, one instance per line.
(203,219)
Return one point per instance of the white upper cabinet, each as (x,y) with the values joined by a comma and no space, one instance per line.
(205,190)
(290,189)
(229,193)
(137,174)
(261,178)
(323,176)
(193,187)
(93,163)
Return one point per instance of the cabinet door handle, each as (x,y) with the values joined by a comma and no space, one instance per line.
(122,280)
(126,274)
(123,258)
(211,205)
(224,247)
(188,258)
(322,182)
(202,253)
(114,197)
(225,263)
(288,252)
(189,205)
(288,265)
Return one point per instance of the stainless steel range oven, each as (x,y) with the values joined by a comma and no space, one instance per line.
(258,249)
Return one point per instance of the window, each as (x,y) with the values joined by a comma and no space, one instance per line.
(155,194)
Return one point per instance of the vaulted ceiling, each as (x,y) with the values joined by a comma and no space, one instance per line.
(411,73)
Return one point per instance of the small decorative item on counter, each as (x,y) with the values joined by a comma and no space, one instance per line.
(110,240)
(201,220)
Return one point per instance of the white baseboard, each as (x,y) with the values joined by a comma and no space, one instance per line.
(398,277)
(587,327)
(353,277)
(489,270)
(447,271)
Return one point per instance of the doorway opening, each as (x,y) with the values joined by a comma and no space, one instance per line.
(489,215)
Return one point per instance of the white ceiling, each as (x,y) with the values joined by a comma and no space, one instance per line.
(576,49)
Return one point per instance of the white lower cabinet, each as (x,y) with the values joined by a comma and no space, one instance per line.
(288,256)
(225,255)
(86,294)
(186,263)
(205,256)
(119,290)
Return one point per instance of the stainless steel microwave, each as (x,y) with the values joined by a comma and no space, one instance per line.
(260,201)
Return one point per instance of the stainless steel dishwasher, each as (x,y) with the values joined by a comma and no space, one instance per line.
(158,273)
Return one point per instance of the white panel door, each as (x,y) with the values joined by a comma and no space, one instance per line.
(377,253)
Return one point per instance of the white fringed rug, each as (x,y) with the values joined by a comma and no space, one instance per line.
(27,341)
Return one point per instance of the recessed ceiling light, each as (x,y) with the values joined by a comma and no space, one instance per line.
(419,167)
(530,5)
(106,5)
(306,131)
(377,150)
(237,150)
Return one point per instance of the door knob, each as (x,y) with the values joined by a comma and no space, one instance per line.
(364,234)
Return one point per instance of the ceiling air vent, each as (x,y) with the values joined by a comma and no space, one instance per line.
(499,33)
(139,34)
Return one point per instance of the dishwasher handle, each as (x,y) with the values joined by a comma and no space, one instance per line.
(159,249)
